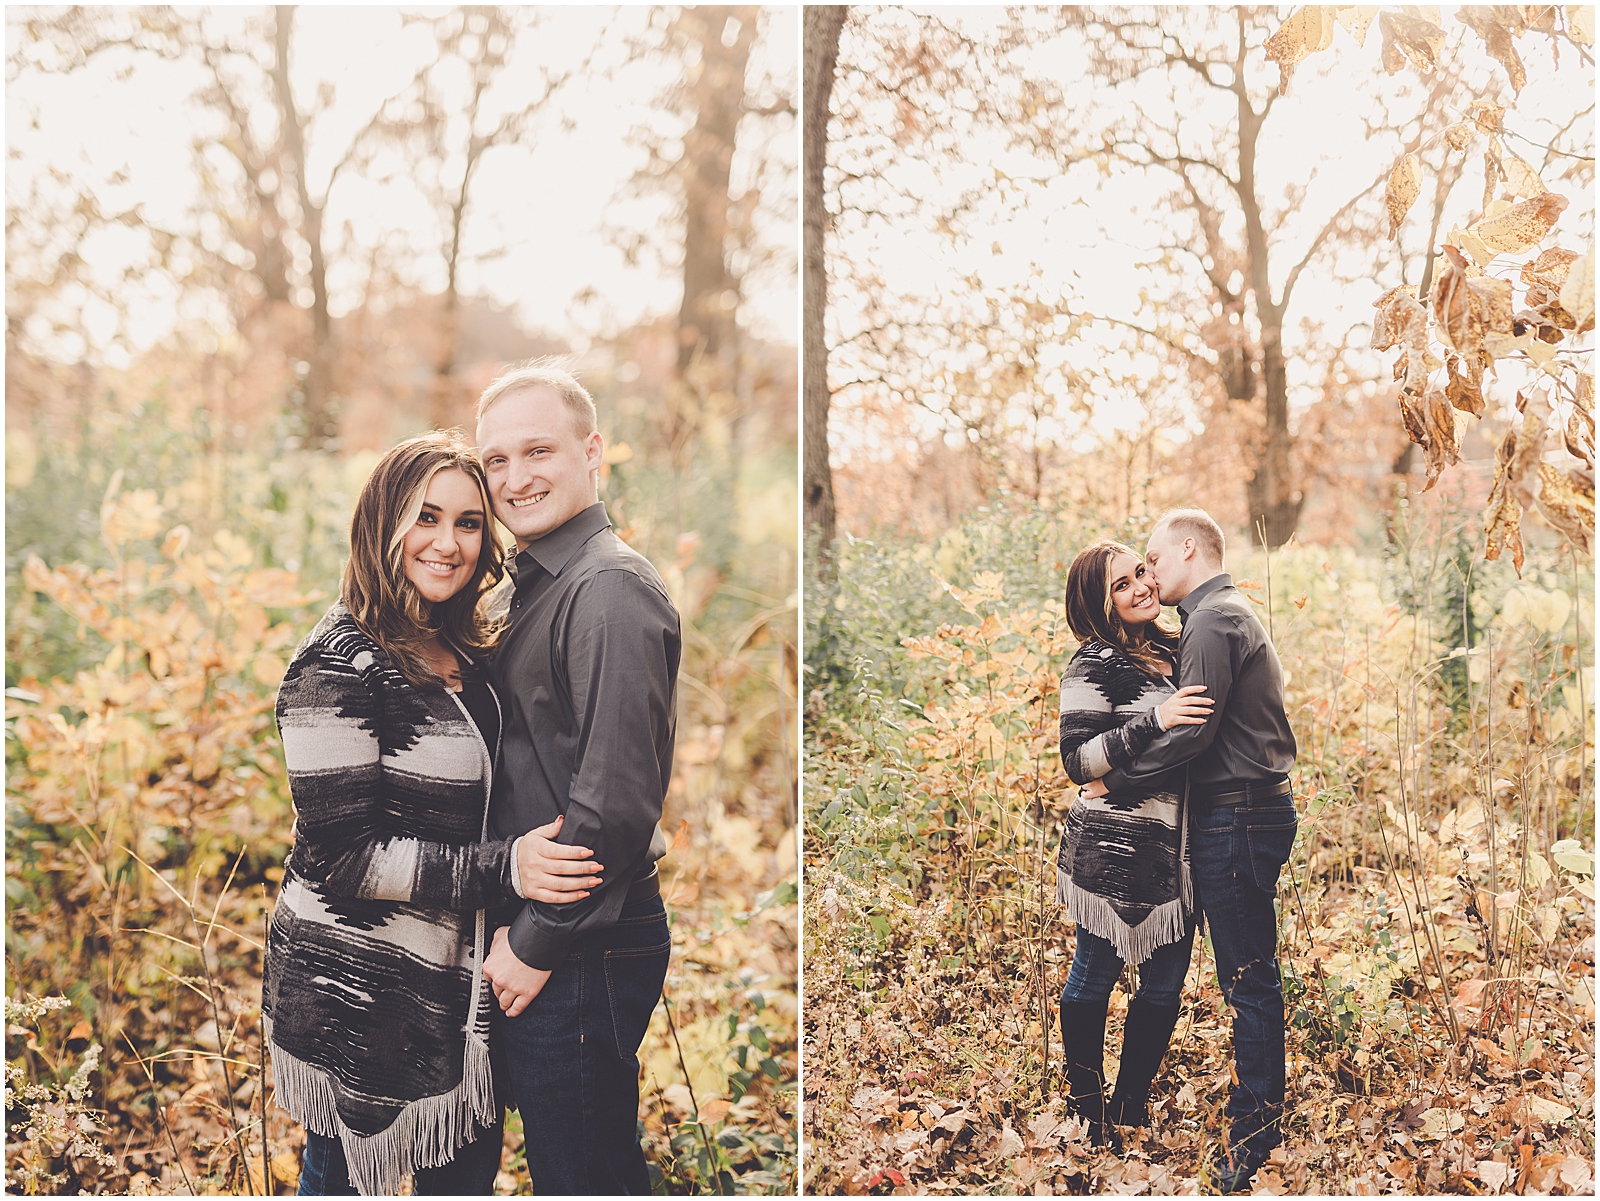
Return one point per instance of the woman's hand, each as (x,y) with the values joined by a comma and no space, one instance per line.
(1185,708)
(552,872)
(1093,789)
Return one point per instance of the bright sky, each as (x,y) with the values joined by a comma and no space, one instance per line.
(1090,236)
(535,235)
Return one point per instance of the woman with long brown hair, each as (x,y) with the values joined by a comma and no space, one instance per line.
(1122,871)
(376,1006)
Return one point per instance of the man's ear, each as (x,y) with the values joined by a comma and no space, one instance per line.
(1190,548)
(594,451)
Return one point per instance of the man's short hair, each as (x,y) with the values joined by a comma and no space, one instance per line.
(1197,524)
(544,374)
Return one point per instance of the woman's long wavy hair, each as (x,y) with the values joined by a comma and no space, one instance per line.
(1091,615)
(385,604)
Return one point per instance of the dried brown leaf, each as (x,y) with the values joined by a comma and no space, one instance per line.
(1524,467)
(1443,426)
(1459,136)
(1577,292)
(1502,517)
(1578,434)
(1465,385)
(1491,299)
(1488,116)
(1522,226)
(1409,38)
(1452,304)
(1402,320)
(1487,22)
(1469,306)
(1405,185)
(1414,418)
(1545,275)
(1307,31)
(1494,171)
(1566,500)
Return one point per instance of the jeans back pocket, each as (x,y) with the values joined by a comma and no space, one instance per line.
(1270,845)
(634,977)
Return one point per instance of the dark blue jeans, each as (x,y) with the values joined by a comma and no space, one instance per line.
(572,1057)
(325,1173)
(1096,967)
(1235,854)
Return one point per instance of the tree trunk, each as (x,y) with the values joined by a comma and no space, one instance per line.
(321,423)
(823,24)
(1273,499)
(1274,503)
(443,401)
(717,95)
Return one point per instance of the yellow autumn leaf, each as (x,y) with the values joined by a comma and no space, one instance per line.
(1307,31)
(1580,23)
(1577,291)
(1405,185)
(1437,1123)
(131,517)
(176,542)
(1571,857)
(268,669)
(1521,179)
(1549,1111)
(1522,226)
(1356,18)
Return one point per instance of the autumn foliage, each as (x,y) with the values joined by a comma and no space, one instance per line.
(1437,914)
(148,818)
(1498,294)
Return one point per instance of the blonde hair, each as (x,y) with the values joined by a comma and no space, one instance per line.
(1199,525)
(544,373)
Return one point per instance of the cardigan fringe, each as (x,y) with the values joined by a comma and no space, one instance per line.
(1134,944)
(427,1133)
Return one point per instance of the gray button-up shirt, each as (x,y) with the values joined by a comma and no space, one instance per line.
(1247,738)
(587,674)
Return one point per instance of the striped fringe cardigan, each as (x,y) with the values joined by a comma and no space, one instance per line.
(374,998)
(1123,868)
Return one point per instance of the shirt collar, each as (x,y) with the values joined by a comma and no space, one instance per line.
(1189,603)
(555,550)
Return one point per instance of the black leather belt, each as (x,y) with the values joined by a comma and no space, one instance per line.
(644,887)
(1262,792)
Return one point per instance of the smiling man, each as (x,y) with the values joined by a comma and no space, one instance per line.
(587,675)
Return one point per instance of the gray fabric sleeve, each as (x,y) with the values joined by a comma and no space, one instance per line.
(622,649)
(1208,655)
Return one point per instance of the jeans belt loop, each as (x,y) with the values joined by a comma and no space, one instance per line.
(1247,800)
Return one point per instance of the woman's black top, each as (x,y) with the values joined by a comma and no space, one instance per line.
(485,714)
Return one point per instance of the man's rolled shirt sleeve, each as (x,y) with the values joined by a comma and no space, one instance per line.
(622,645)
(1208,654)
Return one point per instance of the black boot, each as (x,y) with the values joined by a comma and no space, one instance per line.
(1145,1036)
(1237,1173)
(1248,1152)
(1083,1035)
